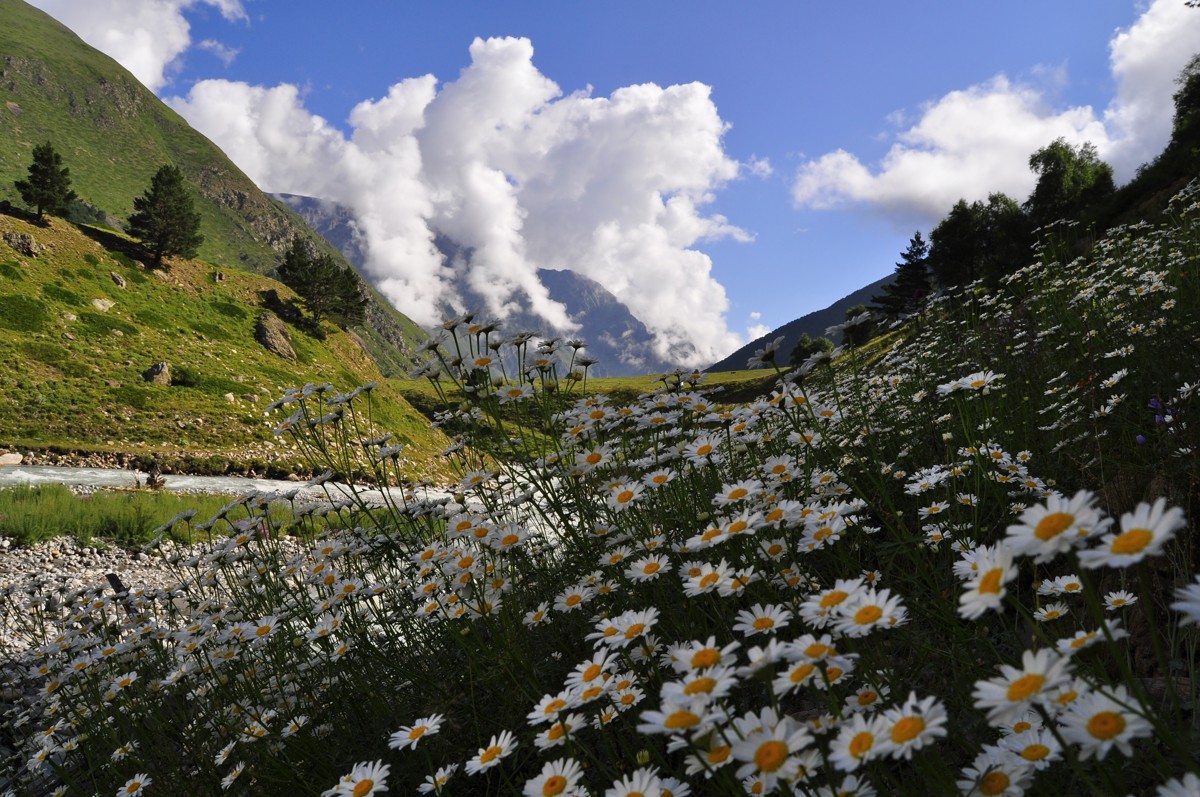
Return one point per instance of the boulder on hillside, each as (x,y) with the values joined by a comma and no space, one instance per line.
(272,333)
(8,460)
(117,278)
(103,305)
(158,374)
(23,242)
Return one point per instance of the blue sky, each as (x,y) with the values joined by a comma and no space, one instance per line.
(822,135)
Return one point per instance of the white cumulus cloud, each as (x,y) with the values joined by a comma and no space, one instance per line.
(519,177)
(144,36)
(972,142)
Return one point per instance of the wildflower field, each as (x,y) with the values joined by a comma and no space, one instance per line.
(958,559)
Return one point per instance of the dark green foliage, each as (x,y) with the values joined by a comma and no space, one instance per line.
(9,270)
(182,376)
(91,259)
(48,188)
(154,319)
(134,396)
(97,325)
(910,288)
(1069,179)
(229,309)
(23,314)
(208,330)
(325,289)
(1186,126)
(979,241)
(58,293)
(164,218)
(861,332)
(807,346)
(122,258)
(56,356)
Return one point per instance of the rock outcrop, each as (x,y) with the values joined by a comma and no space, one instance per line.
(272,333)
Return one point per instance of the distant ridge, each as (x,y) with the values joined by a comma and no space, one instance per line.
(814,323)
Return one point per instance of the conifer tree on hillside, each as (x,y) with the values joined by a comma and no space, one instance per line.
(165,219)
(910,287)
(48,189)
(325,289)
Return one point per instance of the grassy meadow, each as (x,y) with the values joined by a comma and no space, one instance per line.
(957,560)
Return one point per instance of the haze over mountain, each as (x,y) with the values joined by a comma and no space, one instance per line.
(620,343)
(114,134)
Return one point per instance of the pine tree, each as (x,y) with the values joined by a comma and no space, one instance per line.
(48,188)
(904,294)
(165,219)
(325,289)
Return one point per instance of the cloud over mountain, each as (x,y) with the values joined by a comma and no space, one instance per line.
(519,176)
(971,142)
(145,37)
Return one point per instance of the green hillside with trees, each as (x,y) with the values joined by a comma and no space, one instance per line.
(114,135)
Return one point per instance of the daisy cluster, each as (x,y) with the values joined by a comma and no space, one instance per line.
(942,562)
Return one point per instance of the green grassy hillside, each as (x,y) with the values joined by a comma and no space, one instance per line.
(113,134)
(75,370)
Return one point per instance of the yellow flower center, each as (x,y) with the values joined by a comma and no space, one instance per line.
(994,782)
(990,583)
(573,600)
(699,685)
(862,743)
(489,755)
(1132,541)
(1021,727)
(801,672)
(705,658)
(1106,725)
(591,672)
(867,615)
(651,568)
(625,497)
(833,598)
(822,533)
(1035,752)
(1025,686)
(1052,525)
(763,623)
(736,493)
(557,731)
(262,630)
(907,729)
(363,787)
(681,719)
(510,539)
(634,630)
(770,755)
(555,784)
(867,698)
(816,650)
(719,754)
(417,732)
(594,457)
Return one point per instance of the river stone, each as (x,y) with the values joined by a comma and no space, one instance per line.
(272,333)
(10,459)
(103,305)
(159,374)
